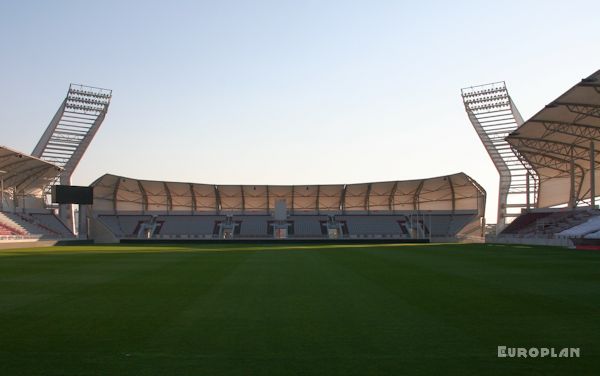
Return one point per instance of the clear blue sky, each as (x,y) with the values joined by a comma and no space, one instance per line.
(287,92)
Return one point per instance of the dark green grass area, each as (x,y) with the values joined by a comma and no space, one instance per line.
(305,309)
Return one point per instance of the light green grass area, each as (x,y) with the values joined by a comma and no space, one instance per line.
(304,309)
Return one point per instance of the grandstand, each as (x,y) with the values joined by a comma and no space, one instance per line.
(547,169)
(443,208)
(558,147)
(23,215)
(26,210)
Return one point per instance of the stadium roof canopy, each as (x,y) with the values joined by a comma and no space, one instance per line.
(23,172)
(452,192)
(560,142)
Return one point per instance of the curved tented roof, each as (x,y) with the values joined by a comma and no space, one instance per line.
(25,173)
(558,143)
(452,192)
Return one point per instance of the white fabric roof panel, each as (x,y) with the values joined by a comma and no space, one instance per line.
(255,198)
(558,134)
(104,191)
(405,194)
(128,195)
(205,198)
(380,196)
(280,192)
(436,194)
(453,192)
(356,197)
(305,197)
(157,198)
(230,197)
(463,197)
(24,172)
(181,196)
(329,197)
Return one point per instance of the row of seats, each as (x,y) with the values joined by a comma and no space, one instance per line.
(376,225)
(592,225)
(43,225)
(8,230)
(562,220)
(128,225)
(524,222)
(188,224)
(308,226)
(51,222)
(254,226)
(442,225)
(559,223)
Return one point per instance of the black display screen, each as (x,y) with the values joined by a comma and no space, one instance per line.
(72,194)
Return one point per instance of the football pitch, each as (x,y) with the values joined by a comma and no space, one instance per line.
(232,309)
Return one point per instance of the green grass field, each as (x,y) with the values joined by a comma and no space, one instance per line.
(285,310)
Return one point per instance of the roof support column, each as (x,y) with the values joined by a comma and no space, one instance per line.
(169,198)
(572,193)
(392,195)
(416,195)
(318,207)
(592,174)
(193,193)
(452,193)
(527,191)
(293,191)
(15,197)
(368,199)
(343,200)
(115,195)
(144,197)
(217,200)
(243,199)
(268,208)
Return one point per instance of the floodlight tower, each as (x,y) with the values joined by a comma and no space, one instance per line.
(494,115)
(70,133)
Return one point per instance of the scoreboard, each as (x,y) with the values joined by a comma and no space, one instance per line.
(72,194)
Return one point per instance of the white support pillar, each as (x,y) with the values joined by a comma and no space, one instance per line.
(83,222)
(572,194)
(15,199)
(65,211)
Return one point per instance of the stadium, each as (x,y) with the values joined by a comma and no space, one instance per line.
(445,208)
(546,197)
(299,188)
(546,167)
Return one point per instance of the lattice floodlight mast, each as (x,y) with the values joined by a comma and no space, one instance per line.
(494,115)
(71,131)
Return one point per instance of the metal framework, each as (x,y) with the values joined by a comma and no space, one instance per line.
(494,116)
(22,175)
(71,131)
(560,143)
